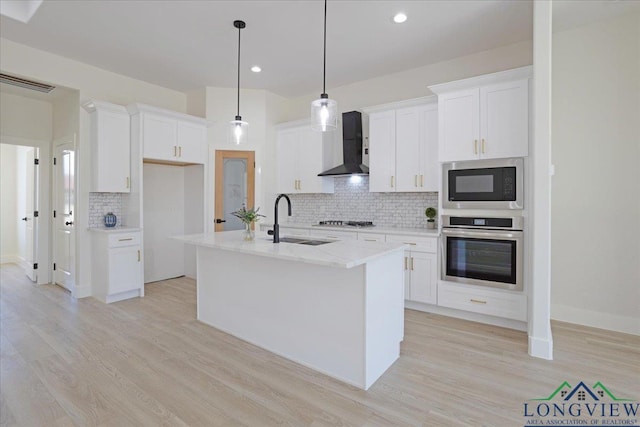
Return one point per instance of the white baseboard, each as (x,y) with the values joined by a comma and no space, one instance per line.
(82,292)
(542,348)
(10,259)
(596,319)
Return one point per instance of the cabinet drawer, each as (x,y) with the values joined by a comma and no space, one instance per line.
(372,237)
(334,235)
(425,244)
(500,304)
(124,239)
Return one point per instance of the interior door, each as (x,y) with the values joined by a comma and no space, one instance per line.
(234,187)
(64,208)
(30,220)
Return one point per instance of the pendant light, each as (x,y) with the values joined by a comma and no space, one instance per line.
(238,129)
(324,111)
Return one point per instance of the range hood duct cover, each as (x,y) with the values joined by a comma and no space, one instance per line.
(351,147)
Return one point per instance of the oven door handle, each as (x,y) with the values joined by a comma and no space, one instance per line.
(495,234)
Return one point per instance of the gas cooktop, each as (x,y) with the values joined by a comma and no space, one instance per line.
(334,223)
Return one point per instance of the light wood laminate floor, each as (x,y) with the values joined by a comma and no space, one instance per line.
(148,362)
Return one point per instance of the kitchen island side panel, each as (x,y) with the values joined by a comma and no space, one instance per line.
(311,314)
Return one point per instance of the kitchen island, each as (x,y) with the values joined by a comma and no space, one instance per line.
(337,308)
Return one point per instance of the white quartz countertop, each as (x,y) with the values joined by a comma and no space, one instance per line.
(375,229)
(342,254)
(114,229)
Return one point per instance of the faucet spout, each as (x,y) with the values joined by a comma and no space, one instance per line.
(276,226)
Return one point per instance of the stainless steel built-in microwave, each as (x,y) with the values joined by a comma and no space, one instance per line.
(484,184)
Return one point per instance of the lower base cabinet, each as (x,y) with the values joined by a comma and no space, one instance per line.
(117,266)
(421,267)
(505,304)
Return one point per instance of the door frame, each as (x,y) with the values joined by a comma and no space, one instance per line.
(72,140)
(43,234)
(219,155)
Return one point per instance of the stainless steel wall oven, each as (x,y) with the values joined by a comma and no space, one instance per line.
(483,251)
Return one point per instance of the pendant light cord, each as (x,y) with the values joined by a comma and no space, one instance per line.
(324,64)
(239,29)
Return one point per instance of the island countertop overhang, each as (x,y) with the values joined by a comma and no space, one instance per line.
(340,254)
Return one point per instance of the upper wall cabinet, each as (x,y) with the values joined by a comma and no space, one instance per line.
(484,117)
(403,149)
(110,147)
(169,137)
(301,155)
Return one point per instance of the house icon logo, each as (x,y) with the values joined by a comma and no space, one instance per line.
(582,405)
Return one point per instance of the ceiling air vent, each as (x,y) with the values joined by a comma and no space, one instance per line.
(27,84)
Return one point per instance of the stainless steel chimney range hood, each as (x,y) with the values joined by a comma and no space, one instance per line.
(351,147)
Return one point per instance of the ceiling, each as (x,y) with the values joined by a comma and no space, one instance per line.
(185,45)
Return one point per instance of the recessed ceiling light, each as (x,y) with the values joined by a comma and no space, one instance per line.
(399,18)
(256,69)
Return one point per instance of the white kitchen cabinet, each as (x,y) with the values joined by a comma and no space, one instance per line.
(110,147)
(421,267)
(403,147)
(302,154)
(382,151)
(169,137)
(117,265)
(485,117)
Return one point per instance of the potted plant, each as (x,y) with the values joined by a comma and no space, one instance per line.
(248,217)
(431,217)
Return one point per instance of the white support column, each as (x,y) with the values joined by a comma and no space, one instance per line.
(540,339)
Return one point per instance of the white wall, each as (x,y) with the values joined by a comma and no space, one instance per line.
(596,188)
(8,204)
(92,83)
(413,83)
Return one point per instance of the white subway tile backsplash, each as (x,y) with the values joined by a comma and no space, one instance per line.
(352,201)
(102,203)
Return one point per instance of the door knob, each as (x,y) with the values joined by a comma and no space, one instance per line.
(25,219)
(220,221)
(68,223)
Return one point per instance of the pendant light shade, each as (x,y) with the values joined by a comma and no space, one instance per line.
(324,111)
(238,129)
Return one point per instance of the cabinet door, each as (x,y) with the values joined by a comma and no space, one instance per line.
(191,142)
(504,120)
(287,154)
(125,272)
(424,278)
(159,137)
(111,168)
(459,125)
(408,160)
(310,160)
(382,151)
(428,153)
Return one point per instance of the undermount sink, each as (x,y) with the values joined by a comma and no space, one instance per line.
(309,242)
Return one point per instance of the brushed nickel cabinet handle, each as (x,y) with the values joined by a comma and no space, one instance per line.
(175,151)
(138,255)
(125,240)
(475,146)
(482,145)
(415,180)
(128,182)
(477,301)
(392,181)
(421,180)
(180,151)
(411,263)
(405,263)
(410,243)
(299,184)
(370,240)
